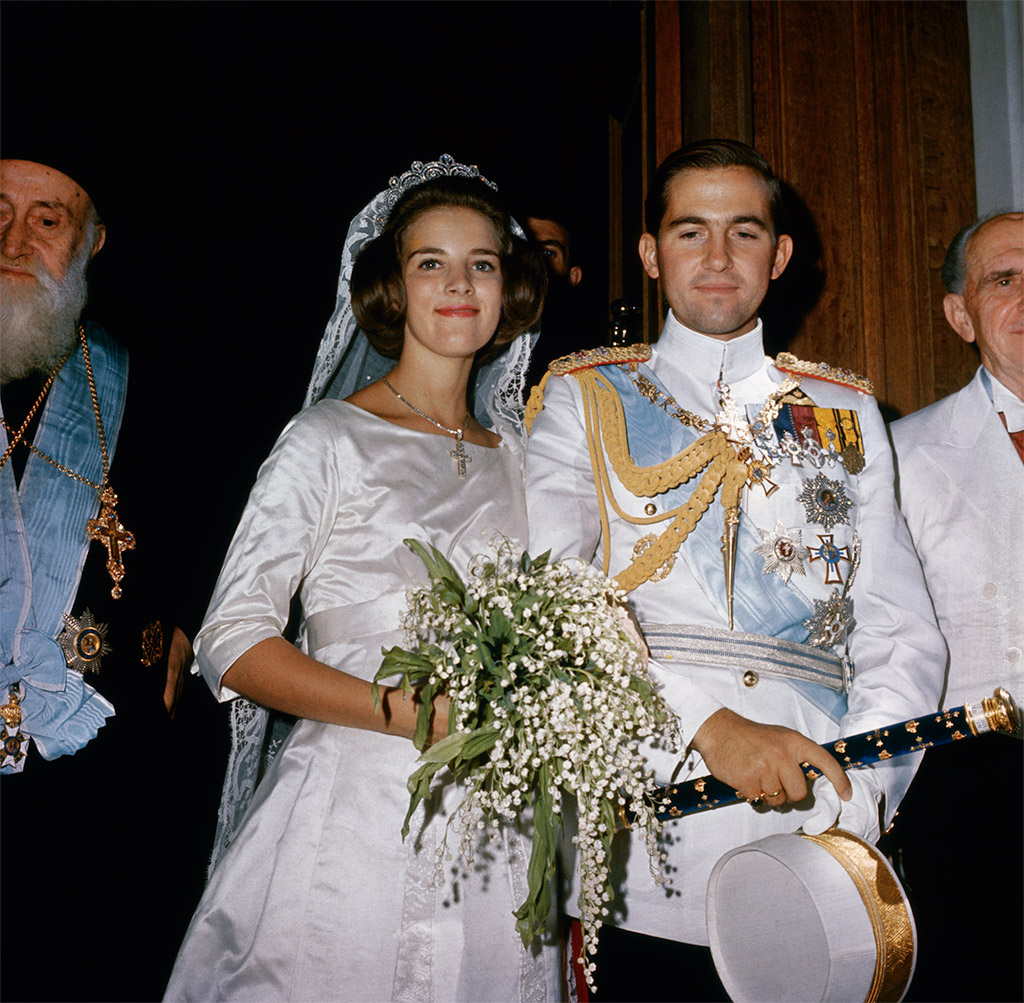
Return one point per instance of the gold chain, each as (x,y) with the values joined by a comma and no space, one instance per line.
(18,436)
(107,528)
(768,413)
(35,407)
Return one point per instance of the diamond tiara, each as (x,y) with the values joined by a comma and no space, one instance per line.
(418,173)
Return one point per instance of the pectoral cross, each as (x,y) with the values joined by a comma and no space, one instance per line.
(113,535)
(460,456)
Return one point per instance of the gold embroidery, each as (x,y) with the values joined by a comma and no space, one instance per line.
(603,355)
(789,363)
(711,455)
(152,644)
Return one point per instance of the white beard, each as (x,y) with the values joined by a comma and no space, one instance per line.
(39,323)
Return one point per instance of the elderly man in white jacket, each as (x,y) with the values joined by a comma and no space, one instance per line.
(757,670)
(961,487)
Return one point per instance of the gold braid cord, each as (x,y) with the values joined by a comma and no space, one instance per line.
(535,404)
(712,453)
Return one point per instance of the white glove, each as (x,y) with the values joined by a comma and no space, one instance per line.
(859,815)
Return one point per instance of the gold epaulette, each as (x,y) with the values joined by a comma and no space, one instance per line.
(789,363)
(603,355)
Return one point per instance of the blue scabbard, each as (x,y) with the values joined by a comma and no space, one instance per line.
(997,713)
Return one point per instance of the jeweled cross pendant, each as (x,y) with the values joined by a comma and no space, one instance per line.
(113,535)
(460,456)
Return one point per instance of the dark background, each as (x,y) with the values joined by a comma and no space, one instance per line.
(227,146)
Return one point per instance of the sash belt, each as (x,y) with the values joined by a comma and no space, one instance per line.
(364,619)
(772,656)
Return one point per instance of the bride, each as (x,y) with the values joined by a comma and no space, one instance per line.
(318,897)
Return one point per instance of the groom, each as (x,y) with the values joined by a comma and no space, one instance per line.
(822,571)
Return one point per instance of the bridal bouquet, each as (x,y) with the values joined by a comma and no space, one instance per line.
(550,697)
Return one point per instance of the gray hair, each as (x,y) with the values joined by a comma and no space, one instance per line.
(954,267)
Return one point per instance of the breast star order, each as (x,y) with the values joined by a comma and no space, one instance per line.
(781,549)
(84,642)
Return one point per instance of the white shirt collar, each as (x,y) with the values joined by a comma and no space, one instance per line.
(706,358)
(1005,400)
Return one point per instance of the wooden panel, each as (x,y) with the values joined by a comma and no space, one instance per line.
(668,81)
(716,69)
(805,115)
(863,109)
(944,94)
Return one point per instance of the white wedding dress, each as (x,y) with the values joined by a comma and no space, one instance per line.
(319,898)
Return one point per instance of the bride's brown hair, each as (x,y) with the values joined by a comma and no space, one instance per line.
(378,290)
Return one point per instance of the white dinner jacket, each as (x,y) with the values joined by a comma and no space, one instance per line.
(961,487)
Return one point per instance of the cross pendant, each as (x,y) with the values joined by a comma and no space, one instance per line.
(113,535)
(460,456)
(831,555)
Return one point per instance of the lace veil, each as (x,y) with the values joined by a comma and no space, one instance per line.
(345,362)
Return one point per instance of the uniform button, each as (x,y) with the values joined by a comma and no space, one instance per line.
(990,590)
(750,678)
(650,509)
(1013,655)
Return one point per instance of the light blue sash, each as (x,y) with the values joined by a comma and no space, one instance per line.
(43,547)
(762,604)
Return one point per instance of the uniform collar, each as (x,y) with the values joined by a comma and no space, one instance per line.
(707,358)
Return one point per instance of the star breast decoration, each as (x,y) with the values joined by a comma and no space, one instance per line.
(781,549)
(825,502)
(84,642)
(832,618)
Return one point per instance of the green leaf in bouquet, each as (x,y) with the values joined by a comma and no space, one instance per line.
(413,667)
(526,601)
(528,564)
(402,660)
(531,916)
(500,627)
(426,711)
(451,594)
(419,788)
(486,658)
(446,750)
(435,562)
(479,741)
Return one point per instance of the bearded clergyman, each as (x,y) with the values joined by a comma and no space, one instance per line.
(91,658)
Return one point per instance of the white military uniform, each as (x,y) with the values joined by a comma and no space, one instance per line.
(896,649)
(961,486)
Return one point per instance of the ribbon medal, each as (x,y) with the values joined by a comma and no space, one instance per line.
(834,430)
